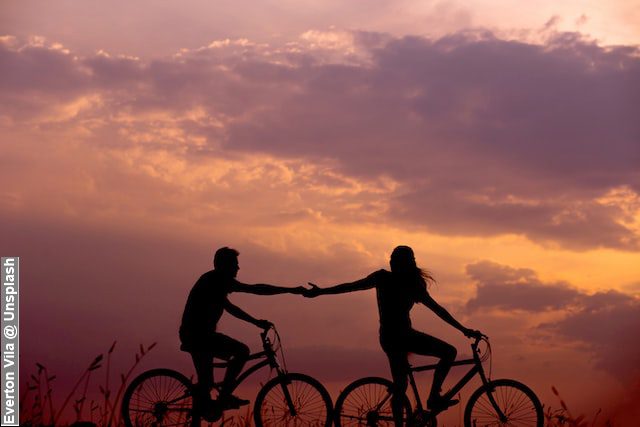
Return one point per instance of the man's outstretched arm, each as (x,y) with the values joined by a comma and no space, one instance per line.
(236,311)
(264,289)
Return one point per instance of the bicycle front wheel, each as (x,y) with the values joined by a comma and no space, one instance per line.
(518,406)
(159,397)
(293,400)
(367,402)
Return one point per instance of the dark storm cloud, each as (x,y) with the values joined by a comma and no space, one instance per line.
(484,136)
(606,321)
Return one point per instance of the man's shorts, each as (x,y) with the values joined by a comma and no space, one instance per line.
(217,344)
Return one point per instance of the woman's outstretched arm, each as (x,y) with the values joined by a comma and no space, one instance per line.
(359,285)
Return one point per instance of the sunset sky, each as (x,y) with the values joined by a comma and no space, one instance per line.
(499,139)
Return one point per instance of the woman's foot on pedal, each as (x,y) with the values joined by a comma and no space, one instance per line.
(439,403)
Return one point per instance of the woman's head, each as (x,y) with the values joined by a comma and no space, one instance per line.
(403,263)
(403,260)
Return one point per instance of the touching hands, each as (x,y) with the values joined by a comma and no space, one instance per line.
(313,292)
(298,290)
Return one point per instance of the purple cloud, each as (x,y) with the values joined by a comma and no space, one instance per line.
(608,322)
(604,321)
(483,136)
(505,288)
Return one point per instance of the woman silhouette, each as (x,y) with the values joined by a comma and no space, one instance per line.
(397,291)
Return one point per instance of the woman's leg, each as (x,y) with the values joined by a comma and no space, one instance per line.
(427,345)
(399,370)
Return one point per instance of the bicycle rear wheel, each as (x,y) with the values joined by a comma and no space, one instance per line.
(517,402)
(367,402)
(293,400)
(159,397)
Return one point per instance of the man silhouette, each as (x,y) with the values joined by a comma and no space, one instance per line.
(206,302)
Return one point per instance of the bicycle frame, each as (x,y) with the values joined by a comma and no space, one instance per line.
(476,369)
(269,359)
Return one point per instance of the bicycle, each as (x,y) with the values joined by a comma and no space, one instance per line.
(164,397)
(503,402)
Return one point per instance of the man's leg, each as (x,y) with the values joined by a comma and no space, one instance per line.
(236,354)
(427,345)
(399,369)
(203,362)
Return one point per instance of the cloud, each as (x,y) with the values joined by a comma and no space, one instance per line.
(479,136)
(506,288)
(604,320)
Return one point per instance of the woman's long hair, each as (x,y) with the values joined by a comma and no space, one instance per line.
(403,264)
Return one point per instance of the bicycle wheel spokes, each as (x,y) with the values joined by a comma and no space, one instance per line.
(370,401)
(310,402)
(158,398)
(367,402)
(518,404)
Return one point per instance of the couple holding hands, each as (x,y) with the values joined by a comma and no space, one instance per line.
(396,290)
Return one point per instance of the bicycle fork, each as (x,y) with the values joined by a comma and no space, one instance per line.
(490,390)
(503,417)
(287,397)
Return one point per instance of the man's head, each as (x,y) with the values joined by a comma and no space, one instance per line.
(225,261)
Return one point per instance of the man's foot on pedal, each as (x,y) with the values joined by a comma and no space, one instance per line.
(440,404)
(207,409)
(232,402)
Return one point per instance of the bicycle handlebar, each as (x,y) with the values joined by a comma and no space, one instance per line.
(266,330)
(477,339)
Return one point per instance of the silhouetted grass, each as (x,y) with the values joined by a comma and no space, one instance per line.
(40,410)
(37,406)
(562,417)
